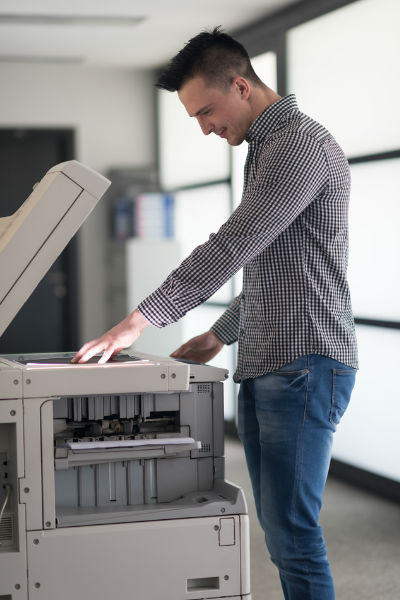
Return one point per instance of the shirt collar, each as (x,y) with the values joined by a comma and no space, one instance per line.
(268,120)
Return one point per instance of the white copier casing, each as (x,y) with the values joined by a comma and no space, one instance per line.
(111,476)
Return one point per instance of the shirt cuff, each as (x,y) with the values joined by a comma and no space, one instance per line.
(158,309)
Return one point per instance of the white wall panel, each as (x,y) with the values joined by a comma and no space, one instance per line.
(198,213)
(368,435)
(186,155)
(374,260)
(343,67)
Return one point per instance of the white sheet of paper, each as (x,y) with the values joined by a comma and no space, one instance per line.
(128,443)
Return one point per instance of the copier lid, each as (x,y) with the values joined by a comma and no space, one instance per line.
(32,238)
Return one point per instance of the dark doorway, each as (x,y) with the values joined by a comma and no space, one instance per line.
(48,320)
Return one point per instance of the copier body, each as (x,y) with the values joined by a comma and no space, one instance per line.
(112,476)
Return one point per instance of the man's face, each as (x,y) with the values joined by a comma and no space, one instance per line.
(225,113)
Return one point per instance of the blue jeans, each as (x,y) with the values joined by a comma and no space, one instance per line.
(286,421)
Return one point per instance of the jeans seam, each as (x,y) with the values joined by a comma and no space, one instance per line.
(299,465)
(291,373)
(332,397)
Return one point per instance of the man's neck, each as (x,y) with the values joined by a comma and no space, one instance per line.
(261,98)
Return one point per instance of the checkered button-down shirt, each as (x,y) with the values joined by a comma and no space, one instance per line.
(290,233)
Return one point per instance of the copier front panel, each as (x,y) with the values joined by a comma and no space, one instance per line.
(106,485)
(177,559)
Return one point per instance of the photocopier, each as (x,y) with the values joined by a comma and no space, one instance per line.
(111,476)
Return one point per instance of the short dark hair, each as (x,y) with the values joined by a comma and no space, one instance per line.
(214,55)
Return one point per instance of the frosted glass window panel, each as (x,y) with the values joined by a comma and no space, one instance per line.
(148,263)
(265,67)
(186,155)
(374,226)
(198,321)
(343,67)
(368,435)
(199,212)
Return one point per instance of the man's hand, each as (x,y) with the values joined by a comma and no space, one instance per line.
(201,348)
(113,341)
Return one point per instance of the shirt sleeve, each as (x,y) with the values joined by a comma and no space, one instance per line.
(291,171)
(226,328)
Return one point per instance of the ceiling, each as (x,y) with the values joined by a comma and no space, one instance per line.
(123,33)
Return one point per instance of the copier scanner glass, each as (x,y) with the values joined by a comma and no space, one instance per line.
(66,357)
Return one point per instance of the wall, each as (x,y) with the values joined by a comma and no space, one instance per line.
(341,65)
(111,112)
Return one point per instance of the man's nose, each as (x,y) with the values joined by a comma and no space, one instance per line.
(206,127)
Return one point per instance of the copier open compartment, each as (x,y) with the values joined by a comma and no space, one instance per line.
(141,456)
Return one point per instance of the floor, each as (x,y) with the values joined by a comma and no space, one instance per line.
(362,532)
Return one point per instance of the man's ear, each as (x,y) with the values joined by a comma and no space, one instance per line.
(241,85)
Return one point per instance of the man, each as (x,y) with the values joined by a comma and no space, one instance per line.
(297,352)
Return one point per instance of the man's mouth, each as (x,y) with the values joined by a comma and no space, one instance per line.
(222,133)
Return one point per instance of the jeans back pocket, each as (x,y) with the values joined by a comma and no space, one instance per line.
(342,385)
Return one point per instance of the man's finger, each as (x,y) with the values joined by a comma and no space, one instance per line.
(106,355)
(91,351)
(176,353)
(80,352)
(181,352)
